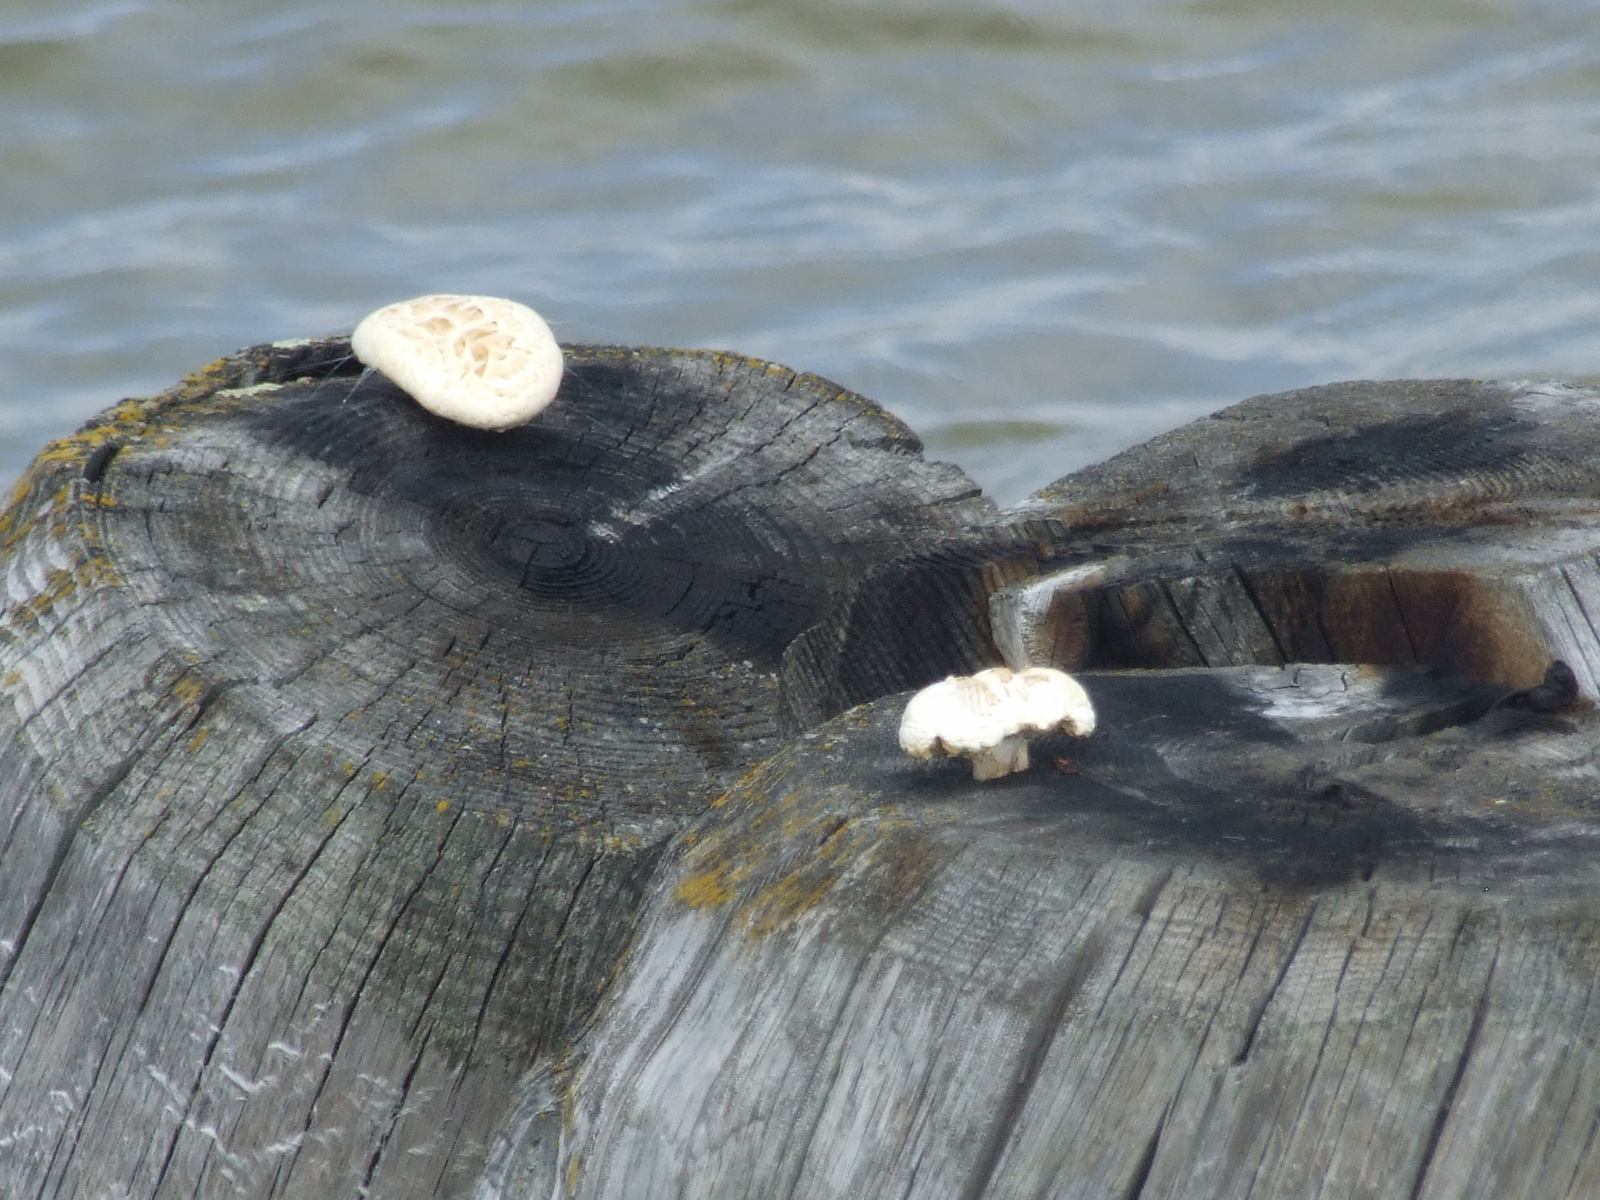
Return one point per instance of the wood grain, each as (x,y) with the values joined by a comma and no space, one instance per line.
(1449,523)
(338,743)
(398,810)
(1252,939)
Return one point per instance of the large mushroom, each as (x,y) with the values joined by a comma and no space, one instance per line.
(987,717)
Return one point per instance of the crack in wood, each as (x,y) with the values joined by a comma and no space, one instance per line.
(1259,1010)
(1030,1059)
(1447,1103)
(1145,1162)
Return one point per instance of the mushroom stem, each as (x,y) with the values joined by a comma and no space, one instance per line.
(997,761)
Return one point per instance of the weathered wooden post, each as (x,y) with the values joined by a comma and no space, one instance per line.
(398,810)
(338,743)
(1286,929)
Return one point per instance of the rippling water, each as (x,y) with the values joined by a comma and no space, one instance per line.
(1038,231)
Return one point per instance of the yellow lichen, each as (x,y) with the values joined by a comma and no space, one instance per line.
(75,449)
(781,902)
(708,889)
(60,585)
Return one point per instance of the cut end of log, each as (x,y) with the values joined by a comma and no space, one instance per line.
(375,727)
(1262,893)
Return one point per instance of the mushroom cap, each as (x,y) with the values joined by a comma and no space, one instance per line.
(477,360)
(962,714)
(969,714)
(1050,699)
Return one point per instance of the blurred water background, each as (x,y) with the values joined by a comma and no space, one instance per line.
(1038,230)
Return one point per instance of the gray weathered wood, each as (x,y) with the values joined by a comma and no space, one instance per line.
(397,810)
(337,743)
(1252,939)
(1274,931)
(1449,523)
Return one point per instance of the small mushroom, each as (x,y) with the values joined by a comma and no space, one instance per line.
(986,717)
(477,360)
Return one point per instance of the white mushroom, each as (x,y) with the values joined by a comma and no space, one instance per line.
(476,360)
(986,717)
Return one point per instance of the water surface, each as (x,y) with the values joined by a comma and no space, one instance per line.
(1037,231)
